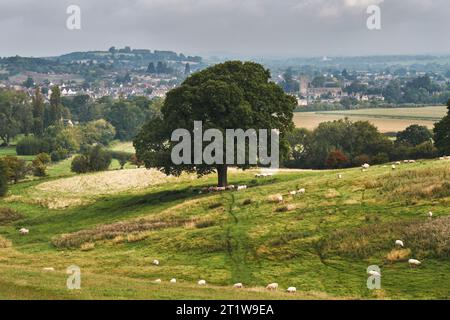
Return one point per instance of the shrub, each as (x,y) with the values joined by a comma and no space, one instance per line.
(361,159)
(96,159)
(43,157)
(38,168)
(30,145)
(16,169)
(336,159)
(3,179)
(80,164)
(380,158)
(59,155)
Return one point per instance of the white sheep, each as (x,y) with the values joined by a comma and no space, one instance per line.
(398,163)
(157,281)
(393,167)
(221,188)
(238,285)
(339,176)
(292,193)
(257,175)
(173,280)
(366,166)
(291,289)
(374,273)
(399,243)
(49,269)
(202,282)
(241,187)
(301,191)
(230,187)
(155,262)
(272,286)
(414,263)
(430,214)
(24,231)
(276,198)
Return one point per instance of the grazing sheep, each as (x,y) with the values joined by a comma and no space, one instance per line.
(414,263)
(173,280)
(221,188)
(398,163)
(393,167)
(24,231)
(302,190)
(241,187)
(366,166)
(291,289)
(257,175)
(49,269)
(272,286)
(399,243)
(276,198)
(292,193)
(157,281)
(374,273)
(412,161)
(430,214)
(155,262)
(339,176)
(201,282)
(230,187)
(238,285)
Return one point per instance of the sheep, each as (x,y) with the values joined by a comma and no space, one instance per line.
(238,285)
(292,193)
(230,187)
(221,188)
(276,198)
(414,263)
(155,262)
(430,214)
(412,161)
(201,282)
(393,167)
(157,281)
(291,289)
(339,176)
(374,273)
(257,175)
(272,286)
(173,280)
(399,243)
(301,191)
(241,187)
(24,231)
(398,163)
(49,269)
(366,166)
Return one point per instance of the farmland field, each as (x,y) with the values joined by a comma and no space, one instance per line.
(386,119)
(322,245)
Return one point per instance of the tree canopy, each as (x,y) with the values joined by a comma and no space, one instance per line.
(231,95)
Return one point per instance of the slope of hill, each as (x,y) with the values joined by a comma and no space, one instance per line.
(320,242)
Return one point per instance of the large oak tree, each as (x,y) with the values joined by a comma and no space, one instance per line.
(231,95)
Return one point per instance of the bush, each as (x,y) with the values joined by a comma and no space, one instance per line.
(380,158)
(3,179)
(30,146)
(361,159)
(16,169)
(43,157)
(135,161)
(80,164)
(96,159)
(336,159)
(59,155)
(38,168)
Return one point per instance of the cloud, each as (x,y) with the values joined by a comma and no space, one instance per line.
(256,27)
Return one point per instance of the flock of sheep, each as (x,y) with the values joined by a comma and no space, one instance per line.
(278,198)
(239,285)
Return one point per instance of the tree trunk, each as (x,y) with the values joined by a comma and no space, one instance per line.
(222,175)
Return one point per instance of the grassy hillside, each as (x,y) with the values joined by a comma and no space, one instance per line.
(322,245)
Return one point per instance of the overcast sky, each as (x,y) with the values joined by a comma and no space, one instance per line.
(245,27)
